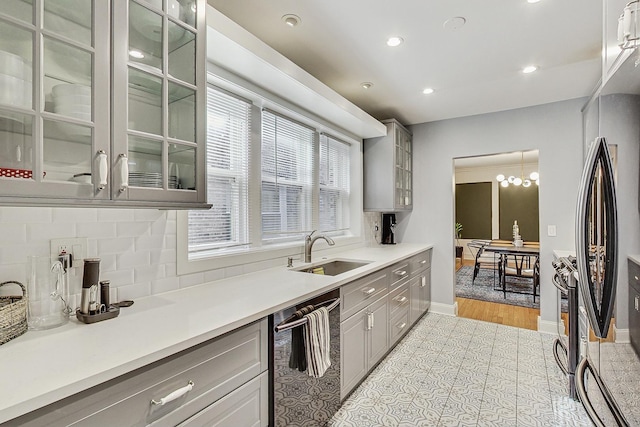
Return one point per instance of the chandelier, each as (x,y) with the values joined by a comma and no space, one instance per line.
(521,180)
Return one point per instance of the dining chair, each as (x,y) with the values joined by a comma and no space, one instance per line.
(521,266)
(482,259)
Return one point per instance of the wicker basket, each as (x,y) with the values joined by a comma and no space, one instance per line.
(13,314)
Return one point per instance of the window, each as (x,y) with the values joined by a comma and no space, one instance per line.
(228,143)
(269,181)
(287,178)
(334,184)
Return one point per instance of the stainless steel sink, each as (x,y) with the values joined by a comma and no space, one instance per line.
(332,268)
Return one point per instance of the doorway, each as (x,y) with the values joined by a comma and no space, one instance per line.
(495,196)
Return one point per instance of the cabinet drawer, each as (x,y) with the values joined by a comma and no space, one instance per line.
(358,294)
(420,262)
(398,325)
(216,368)
(247,406)
(398,272)
(399,298)
(634,274)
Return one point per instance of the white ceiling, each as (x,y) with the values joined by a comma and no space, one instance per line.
(474,69)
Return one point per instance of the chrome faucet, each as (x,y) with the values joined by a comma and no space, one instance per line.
(309,241)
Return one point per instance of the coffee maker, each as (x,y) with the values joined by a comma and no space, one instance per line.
(388,229)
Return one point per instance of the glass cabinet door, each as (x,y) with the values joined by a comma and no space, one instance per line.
(403,165)
(159,80)
(54,136)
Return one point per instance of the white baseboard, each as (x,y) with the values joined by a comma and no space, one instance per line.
(446,309)
(549,327)
(621,335)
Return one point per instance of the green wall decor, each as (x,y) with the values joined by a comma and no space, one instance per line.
(521,204)
(473,209)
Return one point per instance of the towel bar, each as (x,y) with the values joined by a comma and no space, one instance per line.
(331,304)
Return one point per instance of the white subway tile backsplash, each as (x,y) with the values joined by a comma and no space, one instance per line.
(191,280)
(133,229)
(118,278)
(113,215)
(96,230)
(147,243)
(148,273)
(132,259)
(116,246)
(138,290)
(25,215)
(13,233)
(75,215)
(211,275)
(165,285)
(137,247)
(44,231)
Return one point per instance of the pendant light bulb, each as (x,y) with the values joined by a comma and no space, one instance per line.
(526,183)
(517,181)
(505,183)
(500,178)
(534,176)
(511,179)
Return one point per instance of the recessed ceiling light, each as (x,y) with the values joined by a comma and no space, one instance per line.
(291,20)
(136,54)
(394,41)
(427,91)
(454,23)
(529,69)
(533,1)
(366,85)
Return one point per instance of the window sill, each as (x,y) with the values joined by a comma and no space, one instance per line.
(246,256)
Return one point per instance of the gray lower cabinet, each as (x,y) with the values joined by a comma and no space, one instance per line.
(420,295)
(209,380)
(248,406)
(363,342)
(634,305)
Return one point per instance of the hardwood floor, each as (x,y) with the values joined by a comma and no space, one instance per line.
(504,314)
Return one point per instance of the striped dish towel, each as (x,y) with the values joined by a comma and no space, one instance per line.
(316,342)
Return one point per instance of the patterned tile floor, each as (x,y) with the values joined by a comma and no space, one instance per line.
(450,371)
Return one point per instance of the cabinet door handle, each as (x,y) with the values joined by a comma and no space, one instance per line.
(400,273)
(124,173)
(372,320)
(103,170)
(174,395)
(636,302)
(401,300)
(402,325)
(369,291)
(423,281)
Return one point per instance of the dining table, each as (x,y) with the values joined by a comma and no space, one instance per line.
(521,260)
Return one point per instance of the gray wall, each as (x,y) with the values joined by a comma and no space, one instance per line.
(553,129)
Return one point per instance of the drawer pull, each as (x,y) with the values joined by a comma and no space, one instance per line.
(635,277)
(401,326)
(423,262)
(369,291)
(174,395)
(401,300)
(400,273)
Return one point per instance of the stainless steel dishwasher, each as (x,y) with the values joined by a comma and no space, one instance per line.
(296,398)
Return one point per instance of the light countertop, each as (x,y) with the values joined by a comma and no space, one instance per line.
(41,367)
(634,258)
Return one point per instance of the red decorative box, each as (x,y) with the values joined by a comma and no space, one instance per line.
(16,173)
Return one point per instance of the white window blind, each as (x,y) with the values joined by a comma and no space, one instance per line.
(287,177)
(334,184)
(228,142)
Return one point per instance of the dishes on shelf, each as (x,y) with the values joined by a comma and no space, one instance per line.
(15,80)
(150,179)
(73,100)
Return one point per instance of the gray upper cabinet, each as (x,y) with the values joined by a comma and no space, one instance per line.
(388,170)
(159,89)
(102,102)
